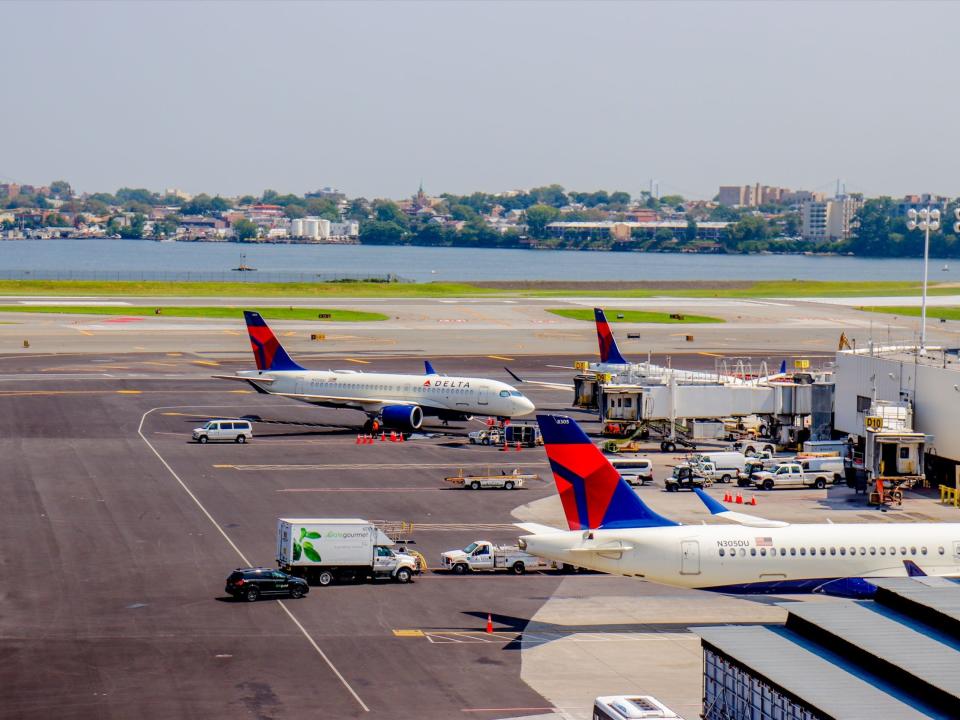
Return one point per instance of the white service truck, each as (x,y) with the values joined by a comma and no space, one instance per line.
(791,474)
(717,466)
(484,555)
(323,550)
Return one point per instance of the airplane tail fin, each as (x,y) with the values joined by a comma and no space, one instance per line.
(428,368)
(267,350)
(783,367)
(591,490)
(609,352)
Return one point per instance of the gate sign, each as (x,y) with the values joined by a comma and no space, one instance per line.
(873,422)
(801,364)
(581,365)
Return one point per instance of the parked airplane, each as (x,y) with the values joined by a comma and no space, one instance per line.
(613,530)
(613,362)
(390,400)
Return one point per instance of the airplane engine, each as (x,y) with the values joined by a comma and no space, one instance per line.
(402,417)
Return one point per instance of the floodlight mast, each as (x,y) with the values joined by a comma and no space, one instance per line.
(926,219)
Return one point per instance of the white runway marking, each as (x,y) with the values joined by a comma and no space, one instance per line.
(237,550)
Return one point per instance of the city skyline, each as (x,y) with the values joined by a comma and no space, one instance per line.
(236,99)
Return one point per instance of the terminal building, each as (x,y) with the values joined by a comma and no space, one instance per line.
(928,384)
(894,657)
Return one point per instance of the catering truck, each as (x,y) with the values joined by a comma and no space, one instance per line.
(324,550)
(484,555)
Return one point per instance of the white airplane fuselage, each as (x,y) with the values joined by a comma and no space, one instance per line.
(371,392)
(736,558)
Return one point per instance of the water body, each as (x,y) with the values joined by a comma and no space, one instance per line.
(128,258)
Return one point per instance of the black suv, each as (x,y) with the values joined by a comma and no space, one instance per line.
(251,583)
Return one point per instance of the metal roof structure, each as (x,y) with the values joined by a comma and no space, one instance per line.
(896,656)
(832,690)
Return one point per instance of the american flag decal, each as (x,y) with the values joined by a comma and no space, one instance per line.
(764,541)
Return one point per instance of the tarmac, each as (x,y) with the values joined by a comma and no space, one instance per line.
(117,534)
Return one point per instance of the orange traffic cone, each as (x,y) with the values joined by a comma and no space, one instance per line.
(518,446)
(369,439)
(358,439)
(400,438)
(383,436)
(753,499)
(727,497)
(489,623)
(739,499)
(393,436)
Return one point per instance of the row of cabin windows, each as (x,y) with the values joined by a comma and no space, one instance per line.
(763,552)
(394,388)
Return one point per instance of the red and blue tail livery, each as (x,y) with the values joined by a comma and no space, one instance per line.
(609,352)
(593,494)
(267,350)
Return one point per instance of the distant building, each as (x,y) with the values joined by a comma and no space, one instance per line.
(632,231)
(311,228)
(829,220)
(327,193)
(178,193)
(757,194)
(9,190)
(916,202)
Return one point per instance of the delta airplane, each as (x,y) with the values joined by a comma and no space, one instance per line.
(612,530)
(613,362)
(390,400)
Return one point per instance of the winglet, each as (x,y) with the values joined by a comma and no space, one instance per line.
(713,506)
(591,490)
(913,570)
(609,352)
(428,368)
(267,350)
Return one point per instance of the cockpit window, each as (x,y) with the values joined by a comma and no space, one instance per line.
(504,393)
(516,393)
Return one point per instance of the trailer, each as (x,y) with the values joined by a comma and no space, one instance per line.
(484,555)
(503,481)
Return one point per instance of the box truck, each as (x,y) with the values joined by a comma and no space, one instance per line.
(323,550)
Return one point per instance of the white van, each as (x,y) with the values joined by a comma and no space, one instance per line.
(235,430)
(830,464)
(636,471)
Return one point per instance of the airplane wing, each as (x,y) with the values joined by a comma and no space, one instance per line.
(521,381)
(718,510)
(265,380)
(366,403)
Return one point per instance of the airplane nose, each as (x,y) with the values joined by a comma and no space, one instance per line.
(524,406)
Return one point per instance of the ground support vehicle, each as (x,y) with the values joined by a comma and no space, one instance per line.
(791,475)
(252,583)
(324,550)
(484,555)
(684,478)
(238,431)
(828,464)
(503,481)
(525,435)
(635,470)
(754,466)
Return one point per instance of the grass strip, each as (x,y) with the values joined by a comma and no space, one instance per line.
(945,313)
(233,313)
(634,316)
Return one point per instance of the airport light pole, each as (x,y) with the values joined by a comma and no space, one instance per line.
(926,219)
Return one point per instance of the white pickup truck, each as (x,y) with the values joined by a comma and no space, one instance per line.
(791,475)
(484,555)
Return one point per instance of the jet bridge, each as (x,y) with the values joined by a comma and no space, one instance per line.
(785,408)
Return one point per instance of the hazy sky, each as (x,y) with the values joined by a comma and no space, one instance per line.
(373,97)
